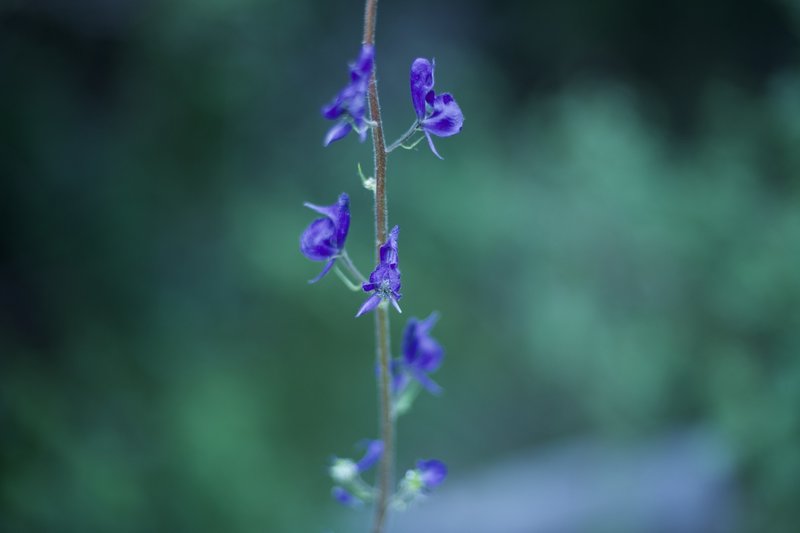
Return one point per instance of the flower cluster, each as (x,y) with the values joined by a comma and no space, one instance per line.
(324,241)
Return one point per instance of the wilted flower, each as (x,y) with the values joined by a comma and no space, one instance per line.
(323,239)
(349,106)
(385,279)
(436,114)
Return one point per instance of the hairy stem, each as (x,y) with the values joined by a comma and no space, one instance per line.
(386,467)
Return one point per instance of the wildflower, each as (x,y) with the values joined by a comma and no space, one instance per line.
(385,279)
(418,482)
(350,489)
(432,473)
(344,497)
(422,354)
(323,239)
(349,106)
(344,471)
(436,114)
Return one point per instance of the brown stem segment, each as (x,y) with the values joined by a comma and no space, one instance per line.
(386,467)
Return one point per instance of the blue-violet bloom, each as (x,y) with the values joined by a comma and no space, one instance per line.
(432,473)
(343,471)
(344,497)
(349,106)
(346,472)
(371,456)
(323,239)
(385,279)
(436,114)
(422,354)
(423,479)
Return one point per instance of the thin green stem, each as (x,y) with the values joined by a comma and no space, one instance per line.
(407,135)
(349,284)
(348,263)
(386,422)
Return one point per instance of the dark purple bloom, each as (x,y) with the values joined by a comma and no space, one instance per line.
(436,114)
(349,106)
(431,472)
(344,497)
(422,355)
(385,279)
(323,239)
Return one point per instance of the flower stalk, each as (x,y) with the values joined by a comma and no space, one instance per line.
(386,466)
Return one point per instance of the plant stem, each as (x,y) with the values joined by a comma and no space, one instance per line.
(351,267)
(386,467)
(411,131)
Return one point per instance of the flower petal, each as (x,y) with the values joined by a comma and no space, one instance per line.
(399,377)
(316,242)
(362,68)
(335,109)
(345,498)
(396,305)
(371,456)
(446,119)
(371,303)
(427,325)
(421,84)
(339,214)
(432,472)
(338,131)
(388,251)
(425,380)
(325,270)
(433,148)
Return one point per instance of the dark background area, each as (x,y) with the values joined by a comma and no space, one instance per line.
(613,243)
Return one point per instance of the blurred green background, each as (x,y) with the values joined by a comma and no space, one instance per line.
(613,243)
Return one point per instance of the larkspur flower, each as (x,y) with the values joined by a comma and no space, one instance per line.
(422,355)
(349,106)
(323,239)
(436,114)
(417,483)
(385,279)
(432,473)
(344,497)
(346,472)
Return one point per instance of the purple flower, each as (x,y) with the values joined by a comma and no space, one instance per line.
(349,106)
(432,473)
(385,279)
(371,456)
(422,355)
(350,489)
(436,114)
(323,239)
(342,496)
(344,471)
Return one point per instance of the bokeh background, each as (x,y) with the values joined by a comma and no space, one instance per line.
(613,242)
